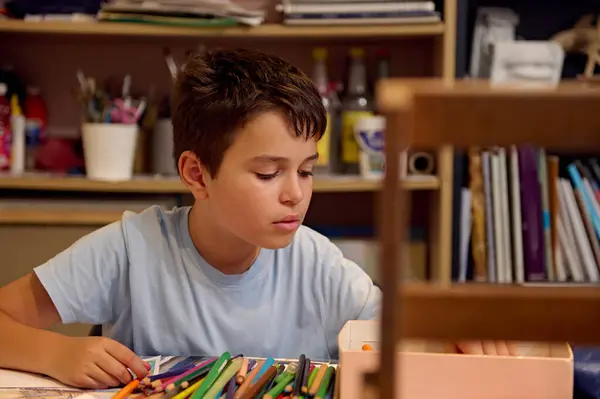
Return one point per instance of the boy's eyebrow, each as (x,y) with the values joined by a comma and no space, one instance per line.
(275,158)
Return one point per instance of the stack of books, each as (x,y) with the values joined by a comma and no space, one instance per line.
(528,217)
(201,13)
(357,12)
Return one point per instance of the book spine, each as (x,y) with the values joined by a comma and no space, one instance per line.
(489,218)
(531,216)
(478,242)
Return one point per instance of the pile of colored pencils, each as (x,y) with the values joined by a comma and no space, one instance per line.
(238,377)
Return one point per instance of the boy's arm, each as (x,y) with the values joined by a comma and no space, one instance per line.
(348,294)
(26,309)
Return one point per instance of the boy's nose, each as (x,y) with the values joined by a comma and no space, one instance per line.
(292,191)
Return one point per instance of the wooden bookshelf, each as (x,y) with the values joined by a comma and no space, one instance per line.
(163,185)
(49,53)
(561,119)
(271,30)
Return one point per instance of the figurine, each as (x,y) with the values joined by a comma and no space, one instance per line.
(582,38)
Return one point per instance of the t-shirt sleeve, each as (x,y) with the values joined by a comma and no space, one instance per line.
(349,294)
(85,279)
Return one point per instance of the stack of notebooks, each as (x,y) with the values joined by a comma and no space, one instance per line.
(355,12)
(201,13)
(524,219)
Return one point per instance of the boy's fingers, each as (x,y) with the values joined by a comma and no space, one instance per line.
(502,348)
(102,377)
(127,358)
(470,347)
(89,383)
(489,348)
(114,368)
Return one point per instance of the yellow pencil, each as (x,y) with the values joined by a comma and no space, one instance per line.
(188,391)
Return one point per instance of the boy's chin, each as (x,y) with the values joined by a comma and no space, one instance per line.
(276,242)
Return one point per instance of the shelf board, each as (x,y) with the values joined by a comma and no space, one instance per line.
(58,217)
(477,311)
(266,30)
(163,185)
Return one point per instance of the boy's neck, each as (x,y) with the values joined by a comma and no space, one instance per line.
(223,251)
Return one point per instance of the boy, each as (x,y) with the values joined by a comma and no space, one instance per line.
(237,271)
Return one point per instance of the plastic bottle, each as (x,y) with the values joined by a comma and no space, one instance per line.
(36,121)
(5,134)
(357,103)
(17,121)
(320,77)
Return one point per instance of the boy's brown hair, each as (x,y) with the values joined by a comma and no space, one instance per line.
(218,91)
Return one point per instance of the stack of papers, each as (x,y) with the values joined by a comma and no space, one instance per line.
(180,12)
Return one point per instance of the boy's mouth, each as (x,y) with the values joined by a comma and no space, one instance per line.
(288,223)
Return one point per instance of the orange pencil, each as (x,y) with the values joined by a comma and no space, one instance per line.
(127,390)
(248,380)
(241,375)
(254,389)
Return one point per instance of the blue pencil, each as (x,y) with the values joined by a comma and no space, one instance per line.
(266,365)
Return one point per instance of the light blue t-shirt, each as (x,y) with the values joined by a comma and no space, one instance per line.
(143,278)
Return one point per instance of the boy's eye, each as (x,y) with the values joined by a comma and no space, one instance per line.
(263,176)
(306,173)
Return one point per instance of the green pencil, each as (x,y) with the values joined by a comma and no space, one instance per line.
(224,377)
(212,376)
(312,375)
(325,383)
(278,389)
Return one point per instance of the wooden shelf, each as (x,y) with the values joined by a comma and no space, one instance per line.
(162,185)
(266,30)
(58,217)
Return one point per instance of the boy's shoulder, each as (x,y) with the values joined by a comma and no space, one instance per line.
(154,224)
(312,242)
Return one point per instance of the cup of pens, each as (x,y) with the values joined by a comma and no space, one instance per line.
(109,132)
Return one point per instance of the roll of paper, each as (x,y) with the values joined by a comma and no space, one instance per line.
(421,163)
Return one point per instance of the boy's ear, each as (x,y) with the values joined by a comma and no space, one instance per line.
(193,174)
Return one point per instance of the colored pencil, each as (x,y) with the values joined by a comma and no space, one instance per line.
(188,391)
(324,386)
(126,390)
(227,374)
(241,375)
(290,369)
(212,376)
(255,388)
(299,376)
(280,387)
(171,373)
(231,387)
(246,384)
(332,382)
(188,375)
(305,374)
(314,386)
(263,369)
(313,374)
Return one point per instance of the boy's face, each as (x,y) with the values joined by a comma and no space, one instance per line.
(264,184)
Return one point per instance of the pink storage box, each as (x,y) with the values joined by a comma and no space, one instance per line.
(541,371)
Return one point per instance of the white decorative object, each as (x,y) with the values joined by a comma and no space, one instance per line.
(493,25)
(527,63)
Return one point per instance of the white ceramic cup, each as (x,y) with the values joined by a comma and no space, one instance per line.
(109,150)
(369,133)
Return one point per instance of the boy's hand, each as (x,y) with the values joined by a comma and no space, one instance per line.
(501,348)
(96,363)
